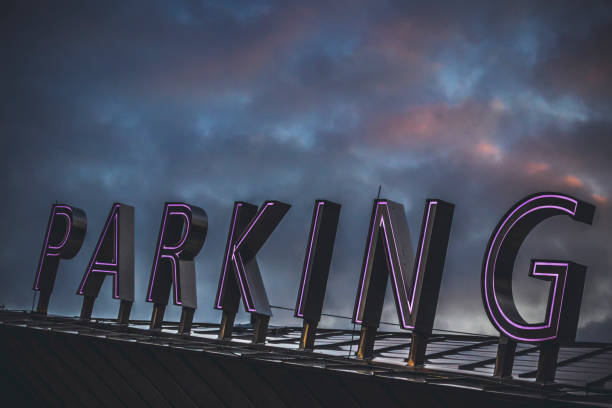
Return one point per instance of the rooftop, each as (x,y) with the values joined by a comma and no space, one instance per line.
(584,370)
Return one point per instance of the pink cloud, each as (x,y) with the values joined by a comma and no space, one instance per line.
(488,151)
(573,181)
(457,128)
(536,167)
(599,199)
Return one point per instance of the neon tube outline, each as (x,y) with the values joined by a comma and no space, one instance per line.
(159,248)
(186,229)
(227,258)
(493,279)
(240,268)
(307,269)
(252,224)
(46,247)
(90,269)
(556,276)
(246,297)
(175,282)
(66,235)
(115,279)
(486,290)
(410,301)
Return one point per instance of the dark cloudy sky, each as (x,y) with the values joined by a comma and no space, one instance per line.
(211,102)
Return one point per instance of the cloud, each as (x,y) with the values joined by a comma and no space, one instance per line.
(213,102)
(573,181)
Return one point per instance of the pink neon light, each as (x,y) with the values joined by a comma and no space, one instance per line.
(252,224)
(174,274)
(493,276)
(46,246)
(68,228)
(403,322)
(245,275)
(113,218)
(246,301)
(44,251)
(115,278)
(367,262)
(418,270)
(571,212)
(410,300)
(552,302)
(159,248)
(307,269)
(240,266)
(186,229)
(227,257)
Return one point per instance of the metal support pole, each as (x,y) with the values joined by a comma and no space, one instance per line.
(123,317)
(547,363)
(87,307)
(227,325)
(418,347)
(309,332)
(366,342)
(43,303)
(260,327)
(157,317)
(186,321)
(505,357)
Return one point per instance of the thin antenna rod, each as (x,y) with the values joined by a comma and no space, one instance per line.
(378,196)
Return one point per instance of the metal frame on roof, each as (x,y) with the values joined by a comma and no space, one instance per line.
(584,368)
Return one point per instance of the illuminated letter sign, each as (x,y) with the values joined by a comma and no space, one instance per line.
(114,255)
(389,251)
(567,278)
(64,237)
(319,248)
(243,243)
(181,236)
(228,292)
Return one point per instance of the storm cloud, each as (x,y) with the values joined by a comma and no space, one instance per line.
(210,102)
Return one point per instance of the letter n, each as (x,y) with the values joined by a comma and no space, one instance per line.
(389,252)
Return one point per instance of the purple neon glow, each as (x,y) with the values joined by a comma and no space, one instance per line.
(499,309)
(175,277)
(418,269)
(114,273)
(307,268)
(46,246)
(493,278)
(186,230)
(552,301)
(159,248)
(246,278)
(44,250)
(114,218)
(240,265)
(227,256)
(403,322)
(410,300)
(252,224)
(367,262)
(68,228)
(246,299)
(161,239)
